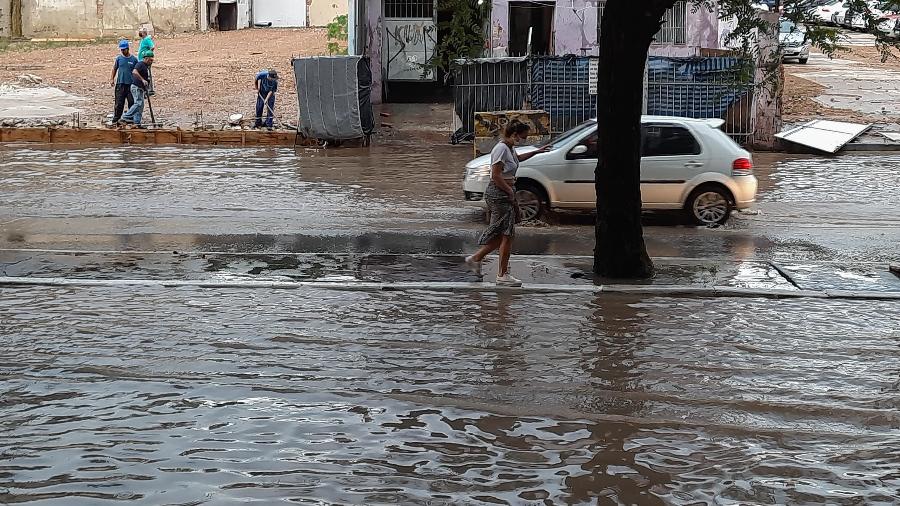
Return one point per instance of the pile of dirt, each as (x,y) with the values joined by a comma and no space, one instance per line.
(208,75)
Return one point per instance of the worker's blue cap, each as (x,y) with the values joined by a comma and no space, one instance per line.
(123,44)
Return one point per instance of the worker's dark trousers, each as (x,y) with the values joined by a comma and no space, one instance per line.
(268,112)
(123,93)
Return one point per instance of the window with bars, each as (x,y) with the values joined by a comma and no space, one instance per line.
(673,29)
(409,8)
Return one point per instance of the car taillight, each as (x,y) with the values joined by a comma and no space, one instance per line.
(742,167)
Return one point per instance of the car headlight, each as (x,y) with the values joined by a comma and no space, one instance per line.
(482,171)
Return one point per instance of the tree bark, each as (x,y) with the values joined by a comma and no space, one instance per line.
(627,29)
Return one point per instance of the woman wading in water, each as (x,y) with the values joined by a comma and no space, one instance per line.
(500,197)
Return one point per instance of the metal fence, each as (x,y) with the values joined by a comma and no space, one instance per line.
(558,85)
(703,87)
(686,87)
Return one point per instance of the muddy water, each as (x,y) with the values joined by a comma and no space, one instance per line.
(153,396)
(235,190)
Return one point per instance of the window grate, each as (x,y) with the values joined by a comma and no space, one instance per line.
(673,30)
(674,21)
(409,8)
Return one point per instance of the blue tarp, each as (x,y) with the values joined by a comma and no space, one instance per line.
(560,86)
(703,87)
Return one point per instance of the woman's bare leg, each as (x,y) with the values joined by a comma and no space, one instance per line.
(505,250)
(486,249)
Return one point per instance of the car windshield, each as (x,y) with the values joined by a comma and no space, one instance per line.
(566,137)
(788,27)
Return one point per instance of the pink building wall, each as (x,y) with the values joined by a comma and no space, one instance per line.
(574,22)
(701,30)
(575,27)
(374,43)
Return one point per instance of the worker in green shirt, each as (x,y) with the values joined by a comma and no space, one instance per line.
(147,46)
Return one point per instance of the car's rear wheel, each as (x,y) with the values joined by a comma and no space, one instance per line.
(709,205)
(532,202)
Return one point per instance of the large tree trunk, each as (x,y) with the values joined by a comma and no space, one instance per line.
(627,29)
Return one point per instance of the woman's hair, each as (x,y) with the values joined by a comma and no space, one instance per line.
(516,127)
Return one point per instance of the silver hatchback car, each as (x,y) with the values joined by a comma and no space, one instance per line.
(687,164)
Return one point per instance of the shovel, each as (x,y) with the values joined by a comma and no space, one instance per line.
(150,106)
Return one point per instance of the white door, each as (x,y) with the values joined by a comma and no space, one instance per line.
(243,14)
(576,186)
(281,13)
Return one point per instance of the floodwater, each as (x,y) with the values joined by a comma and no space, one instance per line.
(161,396)
(400,199)
(153,396)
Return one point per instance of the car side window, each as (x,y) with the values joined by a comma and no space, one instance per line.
(668,140)
(590,142)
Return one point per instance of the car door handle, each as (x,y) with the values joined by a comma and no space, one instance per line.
(693,164)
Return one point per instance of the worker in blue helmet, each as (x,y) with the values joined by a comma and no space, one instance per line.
(120,79)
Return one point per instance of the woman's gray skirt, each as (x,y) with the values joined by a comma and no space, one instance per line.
(503,215)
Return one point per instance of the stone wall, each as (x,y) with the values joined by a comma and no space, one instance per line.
(322,12)
(105,18)
(4,18)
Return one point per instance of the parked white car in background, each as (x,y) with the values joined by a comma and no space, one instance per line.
(823,12)
(854,19)
(837,13)
(686,164)
(792,39)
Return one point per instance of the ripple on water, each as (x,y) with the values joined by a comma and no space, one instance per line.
(160,396)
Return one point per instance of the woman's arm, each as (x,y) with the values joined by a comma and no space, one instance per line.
(497,178)
(526,156)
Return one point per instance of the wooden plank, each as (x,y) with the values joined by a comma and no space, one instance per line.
(84,136)
(166,137)
(99,136)
(26,135)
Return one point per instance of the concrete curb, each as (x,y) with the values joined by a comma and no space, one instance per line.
(361,286)
(869,147)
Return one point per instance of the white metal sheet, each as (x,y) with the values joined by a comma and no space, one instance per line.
(894,136)
(281,13)
(824,135)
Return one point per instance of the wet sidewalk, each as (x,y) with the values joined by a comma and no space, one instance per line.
(690,276)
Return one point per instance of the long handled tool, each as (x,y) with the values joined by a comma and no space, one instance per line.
(150,106)
(149,91)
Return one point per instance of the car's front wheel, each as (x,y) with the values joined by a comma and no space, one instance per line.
(709,205)
(531,201)
(803,60)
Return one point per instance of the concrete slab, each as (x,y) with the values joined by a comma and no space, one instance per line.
(376,268)
(855,278)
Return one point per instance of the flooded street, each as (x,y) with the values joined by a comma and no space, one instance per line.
(395,200)
(184,395)
(192,396)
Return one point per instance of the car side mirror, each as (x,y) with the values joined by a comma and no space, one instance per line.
(579,150)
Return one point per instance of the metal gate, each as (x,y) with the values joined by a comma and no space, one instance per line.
(410,38)
(565,87)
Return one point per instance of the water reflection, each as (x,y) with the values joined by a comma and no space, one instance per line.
(197,396)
